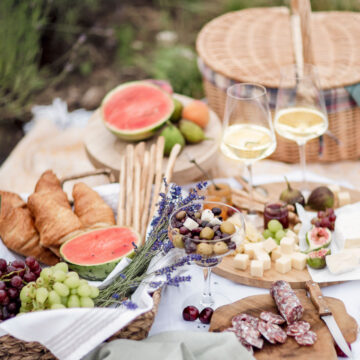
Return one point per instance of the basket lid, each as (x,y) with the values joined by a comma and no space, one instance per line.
(252,45)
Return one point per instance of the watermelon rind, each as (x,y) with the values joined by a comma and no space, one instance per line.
(313,245)
(139,134)
(98,271)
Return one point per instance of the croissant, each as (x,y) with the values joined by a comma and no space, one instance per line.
(9,201)
(17,229)
(90,207)
(49,184)
(53,220)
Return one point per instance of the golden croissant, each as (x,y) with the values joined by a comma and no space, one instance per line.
(90,207)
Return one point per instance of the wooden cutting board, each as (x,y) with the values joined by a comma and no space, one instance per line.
(296,278)
(104,149)
(323,349)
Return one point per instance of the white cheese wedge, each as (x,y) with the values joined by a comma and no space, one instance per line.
(256,268)
(250,249)
(298,260)
(215,221)
(190,224)
(344,198)
(341,262)
(347,230)
(283,264)
(276,254)
(335,188)
(207,215)
(241,261)
(287,245)
(269,245)
(263,256)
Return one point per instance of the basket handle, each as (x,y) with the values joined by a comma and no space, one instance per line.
(301,26)
(106,172)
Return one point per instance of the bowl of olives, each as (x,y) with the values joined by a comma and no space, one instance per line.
(204,228)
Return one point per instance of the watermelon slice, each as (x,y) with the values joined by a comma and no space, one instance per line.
(135,110)
(94,254)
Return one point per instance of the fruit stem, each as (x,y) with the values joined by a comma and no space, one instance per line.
(206,174)
(288,184)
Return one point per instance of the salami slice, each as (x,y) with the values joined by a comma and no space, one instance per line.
(272,318)
(297,328)
(272,332)
(245,317)
(264,331)
(287,302)
(250,335)
(306,339)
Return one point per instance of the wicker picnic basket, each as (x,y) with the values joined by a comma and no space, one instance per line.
(252,45)
(15,349)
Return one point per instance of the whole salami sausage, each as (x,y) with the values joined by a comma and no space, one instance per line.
(287,302)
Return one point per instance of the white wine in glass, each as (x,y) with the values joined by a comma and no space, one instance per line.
(300,108)
(248,133)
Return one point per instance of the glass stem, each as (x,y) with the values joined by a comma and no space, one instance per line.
(251,190)
(207,299)
(303,165)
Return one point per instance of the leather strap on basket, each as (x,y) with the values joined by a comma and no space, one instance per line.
(106,172)
(301,32)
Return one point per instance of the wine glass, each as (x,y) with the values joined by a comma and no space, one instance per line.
(208,253)
(300,109)
(248,133)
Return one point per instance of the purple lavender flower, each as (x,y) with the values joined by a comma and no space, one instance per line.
(129,305)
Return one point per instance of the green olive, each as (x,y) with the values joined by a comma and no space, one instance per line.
(227,227)
(207,233)
(180,215)
(178,241)
(204,249)
(220,248)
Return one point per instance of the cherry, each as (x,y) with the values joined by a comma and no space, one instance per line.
(190,313)
(206,315)
(339,352)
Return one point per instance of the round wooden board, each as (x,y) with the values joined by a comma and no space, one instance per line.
(323,348)
(296,278)
(104,149)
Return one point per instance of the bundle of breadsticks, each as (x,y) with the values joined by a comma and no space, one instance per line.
(139,169)
(39,227)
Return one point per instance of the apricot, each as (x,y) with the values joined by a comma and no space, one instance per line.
(197,112)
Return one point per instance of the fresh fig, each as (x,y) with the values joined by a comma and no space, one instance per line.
(316,259)
(292,196)
(321,198)
(318,237)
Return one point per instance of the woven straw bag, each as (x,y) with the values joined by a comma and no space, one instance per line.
(15,349)
(252,45)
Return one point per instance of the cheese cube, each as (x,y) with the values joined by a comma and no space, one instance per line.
(283,264)
(298,260)
(341,262)
(263,256)
(296,247)
(291,234)
(276,254)
(250,249)
(256,268)
(344,198)
(215,221)
(241,261)
(190,224)
(236,219)
(207,215)
(287,245)
(269,245)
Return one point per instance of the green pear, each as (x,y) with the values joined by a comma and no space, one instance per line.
(172,136)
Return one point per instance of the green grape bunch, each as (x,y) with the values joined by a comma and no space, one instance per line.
(57,288)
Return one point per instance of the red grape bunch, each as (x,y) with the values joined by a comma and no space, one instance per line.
(325,219)
(13,277)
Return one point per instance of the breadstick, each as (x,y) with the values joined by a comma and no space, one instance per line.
(246,186)
(129,183)
(148,187)
(122,192)
(158,175)
(246,204)
(144,177)
(175,151)
(139,152)
(246,195)
(136,207)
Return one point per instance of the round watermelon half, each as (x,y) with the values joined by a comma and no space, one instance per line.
(135,110)
(95,253)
